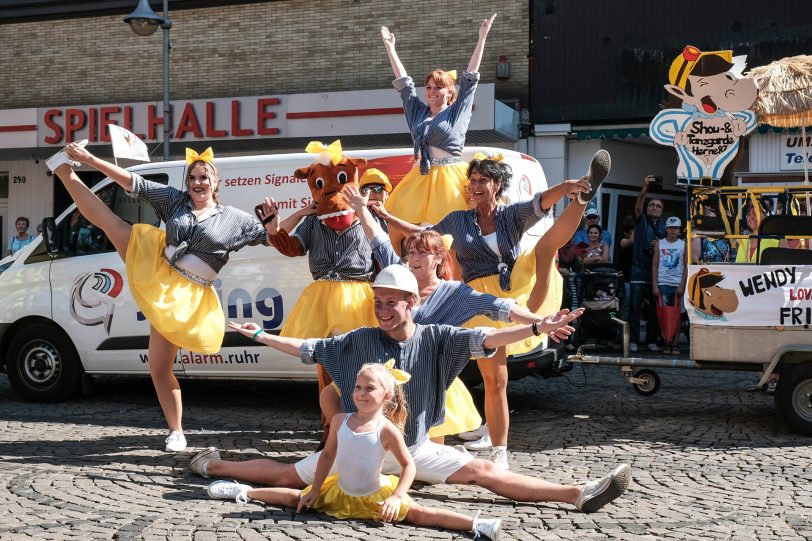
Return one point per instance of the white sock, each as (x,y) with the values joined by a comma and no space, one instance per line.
(203,468)
(497,447)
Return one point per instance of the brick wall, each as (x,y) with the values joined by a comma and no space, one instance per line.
(281,47)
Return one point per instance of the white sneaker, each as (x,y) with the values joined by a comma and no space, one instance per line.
(598,493)
(62,157)
(487,527)
(633,348)
(481,444)
(176,442)
(201,459)
(228,490)
(654,348)
(472,435)
(499,457)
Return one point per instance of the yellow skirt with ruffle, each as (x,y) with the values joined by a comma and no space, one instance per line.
(330,308)
(429,198)
(522,280)
(187,314)
(460,413)
(337,503)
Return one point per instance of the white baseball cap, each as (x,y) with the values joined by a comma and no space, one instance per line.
(673,221)
(398,277)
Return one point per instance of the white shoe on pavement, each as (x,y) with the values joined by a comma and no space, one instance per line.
(654,348)
(200,461)
(499,457)
(633,348)
(176,442)
(62,157)
(228,490)
(472,435)
(598,493)
(487,527)
(481,444)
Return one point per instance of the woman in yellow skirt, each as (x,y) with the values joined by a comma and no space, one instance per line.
(436,184)
(170,274)
(492,262)
(358,448)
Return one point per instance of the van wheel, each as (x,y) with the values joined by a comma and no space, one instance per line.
(793,398)
(43,365)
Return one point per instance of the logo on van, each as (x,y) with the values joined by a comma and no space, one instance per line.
(92,297)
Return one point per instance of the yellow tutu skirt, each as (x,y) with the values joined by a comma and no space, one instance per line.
(187,314)
(337,503)
(330,308)
(429,198)
(460,413)
(522,280)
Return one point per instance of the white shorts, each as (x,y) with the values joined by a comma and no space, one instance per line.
(434,463)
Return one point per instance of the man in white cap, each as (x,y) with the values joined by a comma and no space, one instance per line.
(669,270)
(592,217)
(434,355)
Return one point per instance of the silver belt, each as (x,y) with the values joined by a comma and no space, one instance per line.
(445,161)
(334,277)
(192,277)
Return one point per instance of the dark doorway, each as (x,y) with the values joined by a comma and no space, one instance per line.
(61,198)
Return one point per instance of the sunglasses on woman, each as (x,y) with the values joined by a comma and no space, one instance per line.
(377,188)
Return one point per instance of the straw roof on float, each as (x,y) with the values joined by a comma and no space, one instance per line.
(784,92)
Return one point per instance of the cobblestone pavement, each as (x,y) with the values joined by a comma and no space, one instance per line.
(710,461)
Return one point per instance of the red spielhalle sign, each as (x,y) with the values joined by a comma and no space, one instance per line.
(224,118)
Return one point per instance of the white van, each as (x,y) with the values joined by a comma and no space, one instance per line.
(68,311)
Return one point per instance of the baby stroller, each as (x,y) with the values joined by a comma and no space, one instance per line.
(601,293)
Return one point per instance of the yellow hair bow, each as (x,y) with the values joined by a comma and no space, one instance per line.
(192,156)
(453,75)
(482,156)
(334,150)
(401,377)
(448,240)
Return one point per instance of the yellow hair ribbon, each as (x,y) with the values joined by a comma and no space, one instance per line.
(453,75)
(334,150)
(448,240)
(192,156)
(482,156)
(401,377)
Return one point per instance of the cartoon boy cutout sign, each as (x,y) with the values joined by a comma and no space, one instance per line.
(708,299)
(714,113)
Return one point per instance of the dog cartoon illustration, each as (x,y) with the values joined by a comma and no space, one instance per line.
(714,101)
(708,299)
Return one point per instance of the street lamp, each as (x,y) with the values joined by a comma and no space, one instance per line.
(144,22)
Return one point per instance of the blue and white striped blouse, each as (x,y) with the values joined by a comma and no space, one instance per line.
(434,355)
(475,257)
(226,229)
(447,129)
(451,302)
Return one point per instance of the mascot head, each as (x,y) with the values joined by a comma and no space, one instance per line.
(326,177)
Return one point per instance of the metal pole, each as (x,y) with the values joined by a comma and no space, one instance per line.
(167,109)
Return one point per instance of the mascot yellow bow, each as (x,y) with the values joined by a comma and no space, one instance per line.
(333,150)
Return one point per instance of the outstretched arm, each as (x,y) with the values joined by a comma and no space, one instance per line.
(403,227)
(641,197)
(557,324)
(570,188)
(290,223)
(121,176)
(476,57)
(394,61)
(291,346)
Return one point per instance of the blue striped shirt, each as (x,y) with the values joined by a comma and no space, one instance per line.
(451,302)
(226,229)
(475,257)
(343,256)
(447,129)
(434,355)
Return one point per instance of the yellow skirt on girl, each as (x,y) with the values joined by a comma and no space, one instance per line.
(461,414)
(522,280)
(337,503)
(328,308)
(187,314)
(429,198)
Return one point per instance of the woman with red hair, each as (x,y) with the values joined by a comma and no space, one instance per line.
(436,185)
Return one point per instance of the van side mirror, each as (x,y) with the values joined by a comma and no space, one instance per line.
(49,235)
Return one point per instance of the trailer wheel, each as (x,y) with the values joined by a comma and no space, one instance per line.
(43,365)
(793,398)
(651,382)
